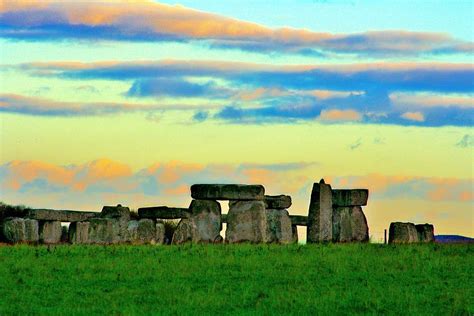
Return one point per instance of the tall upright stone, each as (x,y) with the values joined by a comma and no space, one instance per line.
(120,216)
(50,232)
(349,224)
(79,233)
(320,213)
(14,229)
(206,220)
(279,226)
(31,230)
(247,222)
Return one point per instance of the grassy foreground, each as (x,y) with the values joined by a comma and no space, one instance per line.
(238,279)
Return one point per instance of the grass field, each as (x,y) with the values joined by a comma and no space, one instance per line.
(238,279)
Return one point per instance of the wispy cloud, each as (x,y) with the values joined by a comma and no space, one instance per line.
(154,22)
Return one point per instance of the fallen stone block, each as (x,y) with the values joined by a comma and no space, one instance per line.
(247,222)
(163,212)
(425,232)
(356,197)
(79,233)
(403,233)
(350,225)
(60,215)
(279,226)
(227,192)
(280,202)
(50,232)
(205,220)
(320,213)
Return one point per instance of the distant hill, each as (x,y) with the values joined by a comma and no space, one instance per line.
(453,239)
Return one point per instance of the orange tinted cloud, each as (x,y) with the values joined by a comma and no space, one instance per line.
(339,115)
(414,116)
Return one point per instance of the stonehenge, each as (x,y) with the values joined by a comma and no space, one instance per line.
(334,215)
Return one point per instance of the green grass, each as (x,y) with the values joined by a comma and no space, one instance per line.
(238,279)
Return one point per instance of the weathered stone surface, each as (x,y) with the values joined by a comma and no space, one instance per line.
(183,233)
(294,232)
(50,232)
(425,232)
(121,215)
(349,225)
(79,233)
(160,233)
(299,220)
(280,202)
(205,220)
(356,197)
(320,213)
(31,230)
(104,231)
(279,226)
(227,192)
(247,222)
(14,230)
(146,231)
(132,231)
(163,212)
(403,233)
(60,215)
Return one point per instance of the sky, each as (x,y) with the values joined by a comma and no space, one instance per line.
(131,102)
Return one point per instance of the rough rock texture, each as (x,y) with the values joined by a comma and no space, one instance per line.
(280,202)
(294,230)
(105,231)
(320,213)
(356,197)
(50,232)
(163,212)
(227,192)
(31,230)
(425,232)
(14,230)
(121,215)
(79,233)
(60,215)
(160,233)
(183,232)
(247,222)
(132,231)
(279,226)
(146,231)
(350,224)
(403,233)
(205,220)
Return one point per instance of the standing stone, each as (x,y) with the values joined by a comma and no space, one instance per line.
(403,233)
(121,215)
(320,213)
(105,231)
(31,230)
(205,220)
(146,231)
(160,233)
(279,226)
(350,224)
(79,233)
(247,222)
(132,231)
(227,192)
(14,230)
(183,232)
(425,232)
(294,229)
(50,232)
(280,202)
(353,197)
